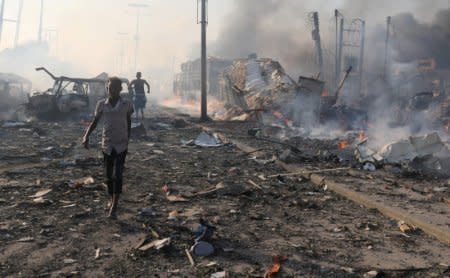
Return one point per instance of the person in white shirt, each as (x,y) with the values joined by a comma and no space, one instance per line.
(116,114)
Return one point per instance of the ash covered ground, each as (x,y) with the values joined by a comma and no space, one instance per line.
(53,220)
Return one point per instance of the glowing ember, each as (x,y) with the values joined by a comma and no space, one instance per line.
(281,117)
(343,144)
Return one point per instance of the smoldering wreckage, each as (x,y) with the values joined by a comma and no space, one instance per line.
(289,180)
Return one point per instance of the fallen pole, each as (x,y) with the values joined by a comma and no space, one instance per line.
(309,172)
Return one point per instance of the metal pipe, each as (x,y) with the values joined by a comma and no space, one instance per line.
(204,106)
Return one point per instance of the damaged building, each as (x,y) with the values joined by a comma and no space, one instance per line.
(187,83)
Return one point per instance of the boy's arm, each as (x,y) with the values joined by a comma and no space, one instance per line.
(92,125)
(90,129)
(130,111)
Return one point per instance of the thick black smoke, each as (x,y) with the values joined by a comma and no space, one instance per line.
(416,40)
(281,29)
(259,26)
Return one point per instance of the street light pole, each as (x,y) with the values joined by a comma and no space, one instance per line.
(18,23)
(2,9)
(40,21)
(204,23)
(138,16)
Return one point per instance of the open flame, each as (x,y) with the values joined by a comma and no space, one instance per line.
(343,144)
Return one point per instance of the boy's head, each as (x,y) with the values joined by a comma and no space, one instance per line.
(138,75)
(115,87)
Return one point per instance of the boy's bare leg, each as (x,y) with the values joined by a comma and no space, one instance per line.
(114,205)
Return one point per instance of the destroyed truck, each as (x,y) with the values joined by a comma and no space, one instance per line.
(68,96)
(14,90)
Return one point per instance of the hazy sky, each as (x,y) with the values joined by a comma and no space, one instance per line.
(88,30)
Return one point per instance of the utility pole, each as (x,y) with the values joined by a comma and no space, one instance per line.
(341,46)
(204,23)
(316,38)
(18,23)
(2,10)
(40,21)
(136,38)
(361,55)
(386,48)
(121,63)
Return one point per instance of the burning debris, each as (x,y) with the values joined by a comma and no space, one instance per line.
(425,154)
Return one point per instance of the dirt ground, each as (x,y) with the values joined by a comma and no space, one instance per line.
(65,232)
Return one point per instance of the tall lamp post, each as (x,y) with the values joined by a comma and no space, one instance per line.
(138,8)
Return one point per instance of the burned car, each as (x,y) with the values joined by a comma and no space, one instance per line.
(68,95)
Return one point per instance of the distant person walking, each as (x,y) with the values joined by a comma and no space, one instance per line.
(136,89)
(116,114)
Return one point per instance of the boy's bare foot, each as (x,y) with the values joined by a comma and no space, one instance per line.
(112,214)
(108,206)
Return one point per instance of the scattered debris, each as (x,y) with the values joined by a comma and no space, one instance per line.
(97,253)
(26,239)
(41,193)
(221,274)
(202,249)
(146,212)
(10,124)
(275,267)
(69,261)
(173,198)
(156,244)
(138,130)
(191,260)
(81,182)
(179,123)
(371,274)
(207,140)
(405,228)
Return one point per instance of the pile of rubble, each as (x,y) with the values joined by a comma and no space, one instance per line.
(254,85)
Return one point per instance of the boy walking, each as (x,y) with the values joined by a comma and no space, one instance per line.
(116,114)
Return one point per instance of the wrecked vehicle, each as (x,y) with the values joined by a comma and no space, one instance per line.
(14,90)
(68,95)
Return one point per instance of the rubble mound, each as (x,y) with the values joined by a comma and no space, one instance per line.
(255,84)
